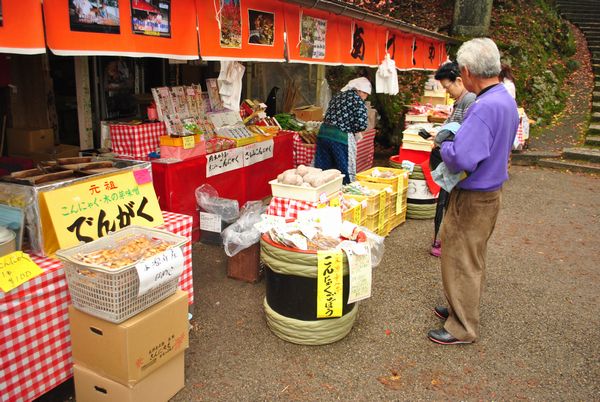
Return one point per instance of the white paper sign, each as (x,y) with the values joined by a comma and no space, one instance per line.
(159,269)
(360,279)
(210,222)
(258,152)
(224,161)
(418,190)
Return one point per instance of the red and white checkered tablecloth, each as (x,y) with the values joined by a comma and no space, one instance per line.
(35,340)
(365,150)
(136,141)
(289,208)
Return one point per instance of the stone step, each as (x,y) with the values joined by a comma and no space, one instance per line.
(580,166)
(596,69)
(596,117)
(528,158)
(592,140)
(581,17)
(594,129)
(596,96)
(595,107)
(582,154)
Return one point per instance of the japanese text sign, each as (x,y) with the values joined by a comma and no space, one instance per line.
(360,269)
(15,269)
(92,209)
(258,152)
(330,285)
(160,269)
(224,161)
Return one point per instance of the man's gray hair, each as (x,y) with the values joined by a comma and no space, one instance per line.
(480,56)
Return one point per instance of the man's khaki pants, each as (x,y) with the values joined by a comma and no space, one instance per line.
(467,227)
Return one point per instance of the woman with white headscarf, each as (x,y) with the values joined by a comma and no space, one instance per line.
(346,117)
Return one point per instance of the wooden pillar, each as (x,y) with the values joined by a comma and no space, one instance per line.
(84,102)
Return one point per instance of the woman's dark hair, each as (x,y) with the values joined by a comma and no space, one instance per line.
(448,71)
(506,72)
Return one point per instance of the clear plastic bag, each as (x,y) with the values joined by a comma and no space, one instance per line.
(242,234)
(377,246)
(208,200)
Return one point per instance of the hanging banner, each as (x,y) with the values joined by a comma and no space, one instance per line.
(135,28)
(249,30)
(312,36)
(358,43)
(21,27)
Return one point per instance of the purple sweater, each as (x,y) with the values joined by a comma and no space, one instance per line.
(483,143)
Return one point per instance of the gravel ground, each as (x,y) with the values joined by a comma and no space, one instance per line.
(539,326)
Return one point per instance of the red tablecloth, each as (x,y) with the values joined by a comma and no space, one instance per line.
(136,141)
(175,183)
(35,340)
(365,150)
(289,208)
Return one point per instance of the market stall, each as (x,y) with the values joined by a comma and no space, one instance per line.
(36,356)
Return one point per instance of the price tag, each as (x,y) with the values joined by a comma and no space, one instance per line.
(159,269)
(188,142)
(334,202)
(361,273)
(16,269)
(357,214)
(330,285)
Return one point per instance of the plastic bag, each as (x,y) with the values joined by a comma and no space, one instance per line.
(324,95)
(242,234)
(376,243)
(208,200)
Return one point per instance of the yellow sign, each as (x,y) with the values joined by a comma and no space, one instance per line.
(382,206)
(89,210)
(16,269)
(357,214)
(330,283)
(188,142)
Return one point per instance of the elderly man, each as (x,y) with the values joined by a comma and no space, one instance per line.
(481,148)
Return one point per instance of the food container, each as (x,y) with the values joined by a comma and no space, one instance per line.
(8,242)
(311,194)
(112,293)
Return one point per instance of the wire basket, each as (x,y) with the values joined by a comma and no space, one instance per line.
(112,294)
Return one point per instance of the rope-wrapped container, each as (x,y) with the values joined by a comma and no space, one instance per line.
(291,300)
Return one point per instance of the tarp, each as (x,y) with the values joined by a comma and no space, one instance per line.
(83,28)
(21,27)
(312,36)
(249,30)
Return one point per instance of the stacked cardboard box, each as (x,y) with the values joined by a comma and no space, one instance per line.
(141,359)
(37,145)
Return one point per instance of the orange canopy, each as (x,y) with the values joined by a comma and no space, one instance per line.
(92,30)
(21,29)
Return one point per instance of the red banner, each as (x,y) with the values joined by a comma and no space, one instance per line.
(312,36)
(137,28)
(358,43)
(21,27)
(252,30)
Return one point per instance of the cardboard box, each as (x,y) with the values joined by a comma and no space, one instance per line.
(130,351)
(59,151)
(372,115)
(161,385)
(22,141)
(309,113)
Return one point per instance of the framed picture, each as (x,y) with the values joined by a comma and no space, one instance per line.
(151,17)
(314,32)
(100,16)
(231,23)
(262,27)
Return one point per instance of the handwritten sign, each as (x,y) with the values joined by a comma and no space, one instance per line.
(188,142)
(210,222)
(160,269)
(16,269)
(361,272)
(224,161)
(258,152)
(330,285)
(90,210)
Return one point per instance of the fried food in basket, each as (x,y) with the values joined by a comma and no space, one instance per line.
(125,252)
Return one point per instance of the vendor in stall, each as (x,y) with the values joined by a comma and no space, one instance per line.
(345,119)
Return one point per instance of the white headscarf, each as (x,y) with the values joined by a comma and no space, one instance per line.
(360,84)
